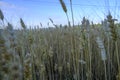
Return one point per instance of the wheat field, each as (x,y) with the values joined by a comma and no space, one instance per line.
(73,52)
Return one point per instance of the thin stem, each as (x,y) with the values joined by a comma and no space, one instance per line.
(108,53)
(105,70)
(72,12)
(117,54)
(68,20)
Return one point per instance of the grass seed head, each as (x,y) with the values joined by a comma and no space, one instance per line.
(63,6)
(112,27)
(22,23)
(1,15)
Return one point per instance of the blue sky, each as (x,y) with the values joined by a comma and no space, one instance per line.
(35,11)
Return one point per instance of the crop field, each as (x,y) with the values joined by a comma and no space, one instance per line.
(73,52)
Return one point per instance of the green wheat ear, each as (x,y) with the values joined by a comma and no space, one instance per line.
(112,27)
(1,15)
(22,23)
(63,6)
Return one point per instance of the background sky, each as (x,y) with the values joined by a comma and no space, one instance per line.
(35,12)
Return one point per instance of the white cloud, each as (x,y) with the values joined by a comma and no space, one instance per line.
(12,9)
(6,5)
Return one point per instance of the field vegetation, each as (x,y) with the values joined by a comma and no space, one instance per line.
(72,52)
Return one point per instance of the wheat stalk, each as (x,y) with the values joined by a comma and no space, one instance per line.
(65,10)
